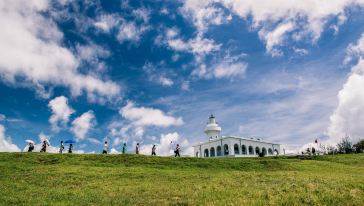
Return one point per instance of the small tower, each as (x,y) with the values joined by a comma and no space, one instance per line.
(212,129)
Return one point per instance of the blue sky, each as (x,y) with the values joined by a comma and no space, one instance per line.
(153,71)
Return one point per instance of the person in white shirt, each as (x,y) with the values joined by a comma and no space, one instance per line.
(106,148)
(61,148)
(137,148)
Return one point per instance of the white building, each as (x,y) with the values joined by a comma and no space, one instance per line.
(232,146)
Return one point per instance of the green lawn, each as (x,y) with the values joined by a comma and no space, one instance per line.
(53,179)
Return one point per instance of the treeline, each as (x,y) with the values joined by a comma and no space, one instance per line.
(345,146)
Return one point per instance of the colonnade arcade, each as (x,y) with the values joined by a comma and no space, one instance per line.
(243,150)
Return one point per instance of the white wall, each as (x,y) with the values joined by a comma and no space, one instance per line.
(231,141)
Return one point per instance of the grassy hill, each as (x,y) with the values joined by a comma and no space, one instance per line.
(53,179)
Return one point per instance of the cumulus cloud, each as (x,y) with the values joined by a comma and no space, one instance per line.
(5,142)
(82,124)
(61,112)
(167,144)
(348,117)
(274,20)
(31,50)
(144,116)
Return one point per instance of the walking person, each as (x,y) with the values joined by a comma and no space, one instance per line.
(31,147)
(61,148)
(153,150)
(177,151)
(70,148)
(44,146)
(137,148)
(124,149)
(106,148)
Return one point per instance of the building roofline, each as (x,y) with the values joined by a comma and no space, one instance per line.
(235,137)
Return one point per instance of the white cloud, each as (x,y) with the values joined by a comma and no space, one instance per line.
(348,117)
(185,85)
(114,151)
(198,45)
(5,142)
(165,81)
(228,67)
(165,148)
(355,50)
(106,22)
(61,112)
(82,124)
(2,117)
(130,31)
(276,37)
(143,116)
(155,74)
(31,48)
(94,140)
(273,19)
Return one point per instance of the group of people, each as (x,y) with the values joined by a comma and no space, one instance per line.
(137,149)
(45,144)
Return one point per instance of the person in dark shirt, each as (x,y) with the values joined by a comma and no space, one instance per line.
(44,146)
(153,150)
(70,148)
(177,151)
(124,149)
(31,147)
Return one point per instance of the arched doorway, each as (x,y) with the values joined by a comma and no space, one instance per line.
(236,149)
(276,152)
(226,149)
(251,151)
(218,151)
(257,150)
(270,151)
(264,151)
(243,149)
(206,153)
(212,152)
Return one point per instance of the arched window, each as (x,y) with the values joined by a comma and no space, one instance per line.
(243,149)
(218,151)
(226,149)
(212,152)
(236,149)
(251,151)
(270,151)
(206,152)
(276,152)
(264,151)
(257,151)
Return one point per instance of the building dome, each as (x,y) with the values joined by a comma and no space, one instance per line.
(212,129)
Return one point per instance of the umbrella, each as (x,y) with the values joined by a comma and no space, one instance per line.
(29,141)
(70,141)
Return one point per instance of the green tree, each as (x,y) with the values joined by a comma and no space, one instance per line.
(359,147)
(345,146)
